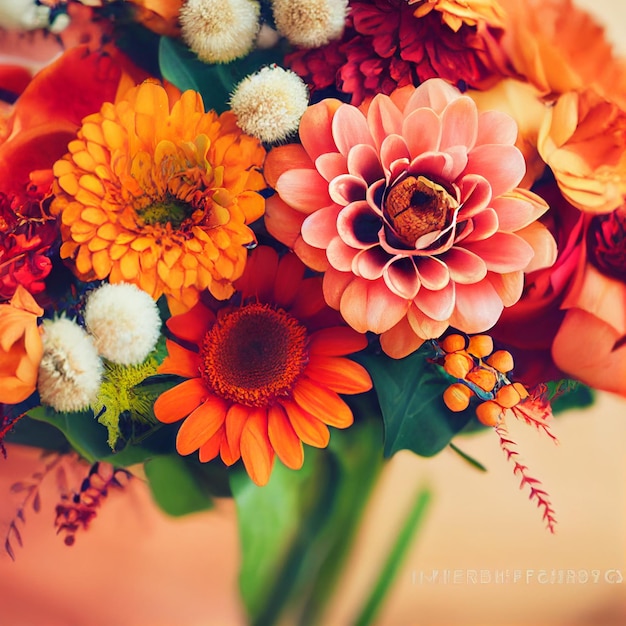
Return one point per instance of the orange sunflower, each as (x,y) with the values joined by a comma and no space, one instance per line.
(156,192)
(265,372)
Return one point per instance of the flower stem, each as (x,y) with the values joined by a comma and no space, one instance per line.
(395,558)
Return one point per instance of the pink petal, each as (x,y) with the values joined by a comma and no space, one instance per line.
(422,131)
(331,164)
(384,118)
(485,225)
(503,166)
(508,286)
(464,266)
(350,128)
(496,127)
(400,341)
(517,209)
(425,326)
(542,242)
(437,305)
(393,149)
(319,228)
(347,188)
(358,225)
(369,263)
(335,283)
(310,256)
(340,255)
(363,161)
(475,193)
(478,307)
(433,272)
(433,165)
(434,93)
(304,190)
(502,253)
(459,123)
(401,277)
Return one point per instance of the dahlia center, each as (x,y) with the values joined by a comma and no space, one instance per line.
(168,211)
(254,354)
(416,206)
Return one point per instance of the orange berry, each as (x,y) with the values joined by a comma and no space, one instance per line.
(458,364)
(457,397)
(502,360)
(453,343)
(489,413)
(480,346)
(483,378)
(523,392)
(508,396)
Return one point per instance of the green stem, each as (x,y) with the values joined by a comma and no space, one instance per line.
(395,559)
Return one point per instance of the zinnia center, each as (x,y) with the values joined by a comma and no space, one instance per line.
(254,354)
(416,206)
(168,211)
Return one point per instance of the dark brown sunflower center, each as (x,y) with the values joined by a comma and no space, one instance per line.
(606,243)
(254,354)
(416,206)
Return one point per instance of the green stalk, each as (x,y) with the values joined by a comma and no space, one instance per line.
(395,559)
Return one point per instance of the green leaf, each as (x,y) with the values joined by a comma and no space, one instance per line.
(469,459)
(410,393)
(177,485)
(570,395)
(214,81)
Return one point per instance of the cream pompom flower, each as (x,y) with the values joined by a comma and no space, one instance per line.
(270,103)
(220,31)
(70,371)
(124,322)
(310,23)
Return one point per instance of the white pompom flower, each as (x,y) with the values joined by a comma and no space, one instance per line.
(70,371)
(310,23)
(124,322)
(220,31)
(269,104)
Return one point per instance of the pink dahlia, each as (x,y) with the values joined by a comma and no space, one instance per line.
(412,211)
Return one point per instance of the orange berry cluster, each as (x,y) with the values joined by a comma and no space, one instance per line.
(480,372)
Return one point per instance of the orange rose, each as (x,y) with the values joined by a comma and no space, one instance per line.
(21,347)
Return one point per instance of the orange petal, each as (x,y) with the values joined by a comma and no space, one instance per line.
(193,324)
(174,404)
(284,439)
(210,449)
(308,428)
(316,128)
(336,341)
(284,158)
(339,374)
(256,451)
(323,403)
(201,425)
(288,278)
(180,361)
(236,419)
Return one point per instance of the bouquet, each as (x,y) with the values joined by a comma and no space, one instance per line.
(252,248)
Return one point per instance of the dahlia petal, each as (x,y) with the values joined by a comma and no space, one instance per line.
(435,94)
(193,324)
(363,161)
(320,228)
(289,275)
(476,195)
(422,131)
(336,341)
(508,286)
(368,263)
(464,266)
(518,209)
(331,164)
(400,340)
(350,128)
(502,252)
(309,429)
(339,374)
(322,403)
(401,277)
(424,326)
(485,225)
(178,402)
(257,453)
(281,221)
(432,272)
(433,165)
(347,188)
(478,307)
(304,190)
(394,149)
(201,425)
(211,448)
(384,118)
(180,361)
(459,124)
(503,166)
(310,256)
(283,158)
(496,127)
(438,305)
(316,128)
(542,242)
(334,284)
(284,439)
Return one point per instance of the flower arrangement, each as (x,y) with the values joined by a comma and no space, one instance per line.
(253,248)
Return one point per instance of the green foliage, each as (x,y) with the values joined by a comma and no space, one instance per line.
(215,82)
(410,393)
(569,394)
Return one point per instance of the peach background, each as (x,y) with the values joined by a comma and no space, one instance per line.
(136,567)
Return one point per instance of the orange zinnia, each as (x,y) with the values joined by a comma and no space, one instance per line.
(157,192)
(266,371)
(21,347)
